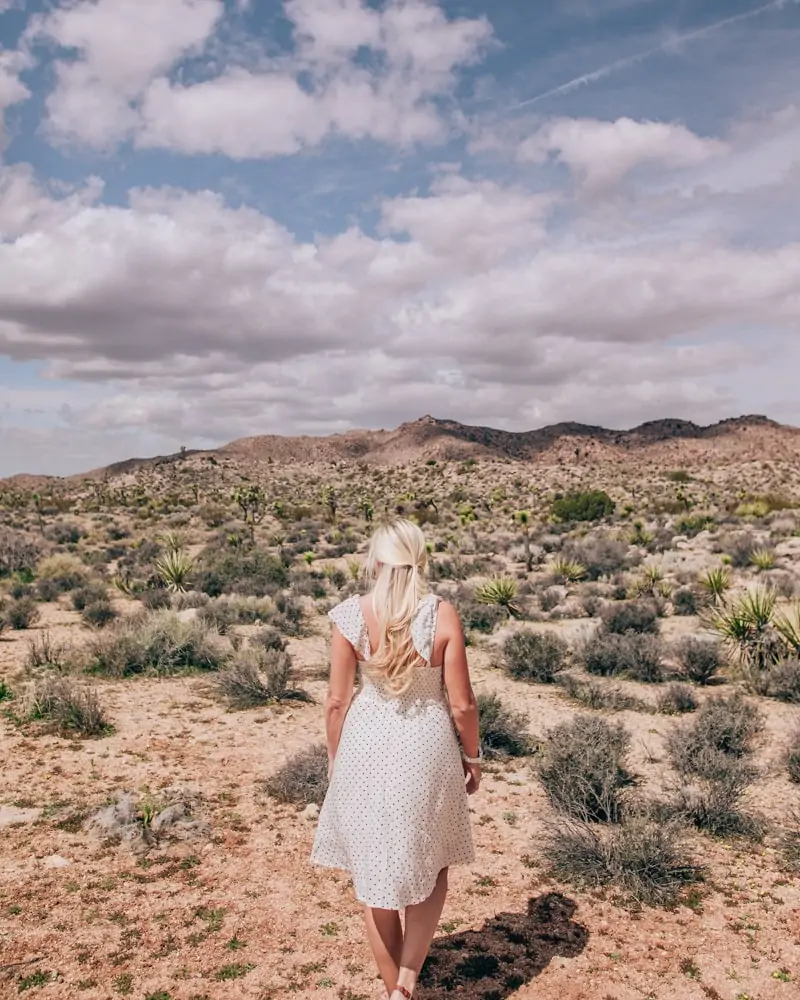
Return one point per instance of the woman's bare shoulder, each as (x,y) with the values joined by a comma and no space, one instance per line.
(448,618)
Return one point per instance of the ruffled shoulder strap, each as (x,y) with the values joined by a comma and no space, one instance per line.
(423,626)
(349,619)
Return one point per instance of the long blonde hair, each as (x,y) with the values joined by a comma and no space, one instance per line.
(396,563)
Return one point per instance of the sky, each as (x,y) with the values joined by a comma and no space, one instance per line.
(221,218)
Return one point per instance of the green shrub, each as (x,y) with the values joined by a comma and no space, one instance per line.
(644,857)
(302,779)
(90,593)
(601,557)
(535,656)
(251,572)
(157,644)
(630,616)
(479,617)
(684,602)
(699,660)
(5,691)
(63,569)
(224,612)
(99,613)
(584,768)
(631,655)
(593,505)
(504,733)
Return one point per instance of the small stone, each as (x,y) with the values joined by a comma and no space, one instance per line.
(311,811)
(188,615)
(56,861)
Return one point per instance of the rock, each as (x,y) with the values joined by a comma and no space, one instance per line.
(188,615)
(56,861)
(10,816)
(311,811)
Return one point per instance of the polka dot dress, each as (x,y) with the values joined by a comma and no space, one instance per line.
(396,811)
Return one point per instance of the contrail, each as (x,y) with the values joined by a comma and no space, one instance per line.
(620,64)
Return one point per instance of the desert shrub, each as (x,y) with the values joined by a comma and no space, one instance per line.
(630,616)
(685,602)
(784,681)
(793,757)
(268,638)
(63,533)
(302,779)
(592,505)
(601,556)
(550,598)
(18,553)
(692,524)
(504,733)
(600,696)
(248,571)
(46,654)
(64,570)
(5,691)
(213,515)
(47,591)
(535,656)
(479,617)
(259,676)
(71,706)
(156,644)
(790,846)
(90,593)
(643,856)
(155,598)
(711,755)
(224,612)
(740,548)
(21,613)
(500,591)
(699,660)
(289,617)
(676,699)
(99,613)
(583,769)
(636,656)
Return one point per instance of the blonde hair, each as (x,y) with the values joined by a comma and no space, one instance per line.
(396,563)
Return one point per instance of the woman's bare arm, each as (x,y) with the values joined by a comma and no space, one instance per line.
(340,690)
(456,679)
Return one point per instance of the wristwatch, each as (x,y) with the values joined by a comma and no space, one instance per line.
(474,760)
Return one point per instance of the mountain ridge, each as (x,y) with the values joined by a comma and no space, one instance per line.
(438,438)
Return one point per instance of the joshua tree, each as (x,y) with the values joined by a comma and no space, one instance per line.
(524,520)
(331,501)
(253,505)
(367,509)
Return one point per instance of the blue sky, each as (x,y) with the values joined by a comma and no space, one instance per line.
(228,218)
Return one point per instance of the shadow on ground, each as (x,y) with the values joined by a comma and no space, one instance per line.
(509,950)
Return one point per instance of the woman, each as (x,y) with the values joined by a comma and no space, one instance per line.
(396,814)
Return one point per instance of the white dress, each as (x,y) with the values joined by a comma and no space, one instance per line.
(396,811)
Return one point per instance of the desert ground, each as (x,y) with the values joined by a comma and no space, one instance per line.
(631,609)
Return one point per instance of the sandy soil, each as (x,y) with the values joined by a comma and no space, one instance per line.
(106,922)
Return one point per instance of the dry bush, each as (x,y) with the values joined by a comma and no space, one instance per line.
(302,779)
(584,768)
(504,733)
(643,856)
(685,602)
(20,614)
(259,676)
(222,613)
(699,660)
(712,757)
(630,616)
(46,654)
(18,553)
(792,757)
(250,571)
(600,696)
(784,681)
(601,556)
(676,699)
(73,707)
(535,656)
(631,655)
(156,644)
(63,570)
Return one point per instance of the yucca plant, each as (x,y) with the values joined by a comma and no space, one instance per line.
(640,536)
(716,582)
(354,568)
(170,541)
(763,560)
(747,628)
(787,625)
(500,591)
(569,570)
(174,568)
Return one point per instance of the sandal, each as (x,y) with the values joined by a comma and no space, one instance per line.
(406,993)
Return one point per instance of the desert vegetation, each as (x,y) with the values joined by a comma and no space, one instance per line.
(633,627)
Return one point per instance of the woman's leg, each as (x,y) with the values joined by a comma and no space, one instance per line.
(385,934)
(421,923)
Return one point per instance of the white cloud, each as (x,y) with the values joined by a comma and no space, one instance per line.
(12,89)
(121,45)
(601,153)
(120,85)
